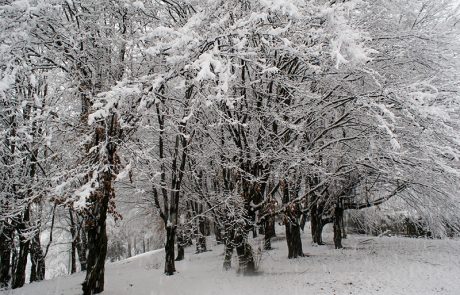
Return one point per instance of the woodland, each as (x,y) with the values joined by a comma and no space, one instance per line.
(168,122)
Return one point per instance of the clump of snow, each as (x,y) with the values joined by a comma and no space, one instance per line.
(289,7)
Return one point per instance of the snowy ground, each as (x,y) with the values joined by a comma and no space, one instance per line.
(367,265)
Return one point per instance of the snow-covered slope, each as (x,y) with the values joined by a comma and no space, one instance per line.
(367,265)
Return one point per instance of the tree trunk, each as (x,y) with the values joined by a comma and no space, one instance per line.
(316,224)
(37,271)
(6,239)
(180,246)
(228,256)
(313,221)
(19,274)
(129,247)
(319,232)
(73,250)
(338,215)
(269,230)
(218,233)
(73,258)
(82,246)
(245,255)
(228,241)
(170,267)
(97,239)
(294,241)
(200,236)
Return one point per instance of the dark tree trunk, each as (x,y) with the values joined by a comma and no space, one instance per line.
(319,232)
(313,219)
(170,267)
(218,233)
(338,215)
(246,263)
(82,246)
(6,244)
(228,241)
(228,256)
(245,256)
(73,250)
(254,227)
(269,229)
(19,275)
(316,224)
(303,221)
(37,271)
(294,241)
(180,246)
(97,240)
(73,258)
(201,236)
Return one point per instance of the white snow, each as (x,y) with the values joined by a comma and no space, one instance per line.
(367,265)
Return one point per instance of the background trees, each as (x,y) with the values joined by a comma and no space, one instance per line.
(220,116)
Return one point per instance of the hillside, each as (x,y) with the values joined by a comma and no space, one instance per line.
(367,265)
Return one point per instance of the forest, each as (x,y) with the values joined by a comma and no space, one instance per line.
(171,123)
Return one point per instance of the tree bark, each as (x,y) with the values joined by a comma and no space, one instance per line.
(228,241)
(37,258)
(338,215)
(19,274)
(200,236)
(170,267)
(97,239)
(218,233)
(246,263)
(82,246)
(269,230)
(180,246)
(316,223)
(73,250)
(6,244)
(294,241)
